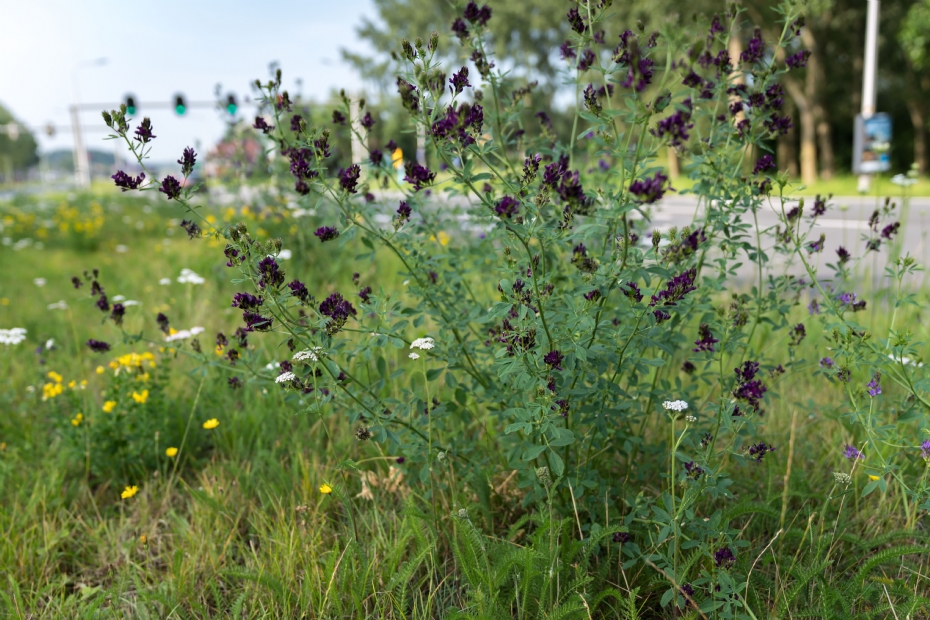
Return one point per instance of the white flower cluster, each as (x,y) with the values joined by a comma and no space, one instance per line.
(675,405)
(414,356)
(58,305)
(424,344)
(14,335)
(40,282)
(165,281)
(690,419)
(309,354)
(126,302)
(284,377)
(285,254)
(184,334)
(189,277)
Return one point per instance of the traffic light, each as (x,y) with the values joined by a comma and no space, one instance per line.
(231,106)
(130,105)
(180,107)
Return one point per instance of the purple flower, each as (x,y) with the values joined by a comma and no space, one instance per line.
(119,310)
(170,187)
(755,49)
(687,590)
(256,322)
(367,121)
(103,304)
(144,131)
(247,301)
(798,60)
(459,81)
(843,255)
(765,163)
(187,161)
(693,470)
(297,122)
(890,230)
(813,307)
(575,21)
(338,310)
(826,362)
(234,383)
(705,341)
(748,388)
(676,289)
(271,273)
(299,290)
(475,15)
(566,51)
(126,182)
(365,293)
(326,233)
(925,450)
(874,387)
(400,460)
(586,61)
(348,178)
(798,332)
(375,157)
(759,450)
(850,452)
(232,254)
(554,359)
(778,124)
(262,124)
(675,127)
(419,176)
(403,214)
(647,190)
(631,290)
(460,29)
(163,324)
(507,208)
(191,228)
(622,537)
(724,557)
(98,346)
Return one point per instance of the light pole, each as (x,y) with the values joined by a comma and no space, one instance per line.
(81,163)
(870,67)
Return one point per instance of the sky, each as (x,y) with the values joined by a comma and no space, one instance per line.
(155,50)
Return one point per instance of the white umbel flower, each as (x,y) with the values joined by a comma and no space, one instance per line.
(675,405)
(414,356)
(184,334)
(690,419)
(284,377)
(424,344)
(189,277)
(308,354)
(14,335)
(59,305)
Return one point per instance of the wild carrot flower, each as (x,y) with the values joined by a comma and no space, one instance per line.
(424,344)
(284,377)
(211,424)
(171,452)
(675,405)
(414,356)
(129,492)
(14,335)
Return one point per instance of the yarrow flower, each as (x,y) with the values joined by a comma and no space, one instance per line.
(414,356)
(14,335)
(285,377)
(424,344)
(189,277)
(308,354)
(184,334)
(675,405)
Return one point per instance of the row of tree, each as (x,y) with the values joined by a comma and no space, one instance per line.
(823,99)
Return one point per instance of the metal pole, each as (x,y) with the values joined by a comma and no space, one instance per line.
(356,143)
(81,162)
(870,67)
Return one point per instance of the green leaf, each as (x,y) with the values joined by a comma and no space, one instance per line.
(433,373)
(556,463)
(532,452)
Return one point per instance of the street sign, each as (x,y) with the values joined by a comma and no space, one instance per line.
(872,144)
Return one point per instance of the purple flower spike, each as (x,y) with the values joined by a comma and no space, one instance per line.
(648,190)
(850,452)
(170,187)
(98,346)
(554,359)
(126,182)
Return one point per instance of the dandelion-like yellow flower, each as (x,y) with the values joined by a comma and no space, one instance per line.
(101,370)
(171,452)
(140,397)
(871,477)
(129,492)
(211,423)
(114,365)
(109,406)
(219,349)
(54,376)
(76,420)
(143,539)
(325,489)
(142,377)
(72,384)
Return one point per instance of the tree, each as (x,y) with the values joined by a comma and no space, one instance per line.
(914,38)
(18,149)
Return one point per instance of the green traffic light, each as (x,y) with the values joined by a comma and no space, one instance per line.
(180,109)
(231,108)
(131,110)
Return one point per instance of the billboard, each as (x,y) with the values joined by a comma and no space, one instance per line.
(871,144)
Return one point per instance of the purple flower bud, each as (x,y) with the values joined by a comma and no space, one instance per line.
(187,161)
(765,163)
(348,178)
(460,29)
(326,233)
(170,187)
(798,60)
(648,191)
(554,359)
(98,346)
(507,208)
(126,182)
(367,121)
(144,131)
(271,273)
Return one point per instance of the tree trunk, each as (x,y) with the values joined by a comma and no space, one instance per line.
(808,124)
(814,84)
(673,168)
(915,97)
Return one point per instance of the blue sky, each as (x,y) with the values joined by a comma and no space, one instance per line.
(156,49)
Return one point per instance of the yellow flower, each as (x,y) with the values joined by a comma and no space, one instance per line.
(325,489)
(109,406)
(54,376)
(51,390)
(143,539)
(871,477)
(211,423)
(114,365)
(219,349)
(101,370)
(129,492)
(142,377)
(140,397)
(443,238)
(171,452)
(76,420)
(4,302)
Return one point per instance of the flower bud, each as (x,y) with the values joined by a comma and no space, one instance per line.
(656,239)
(433,41)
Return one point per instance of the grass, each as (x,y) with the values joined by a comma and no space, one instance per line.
(239,529)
